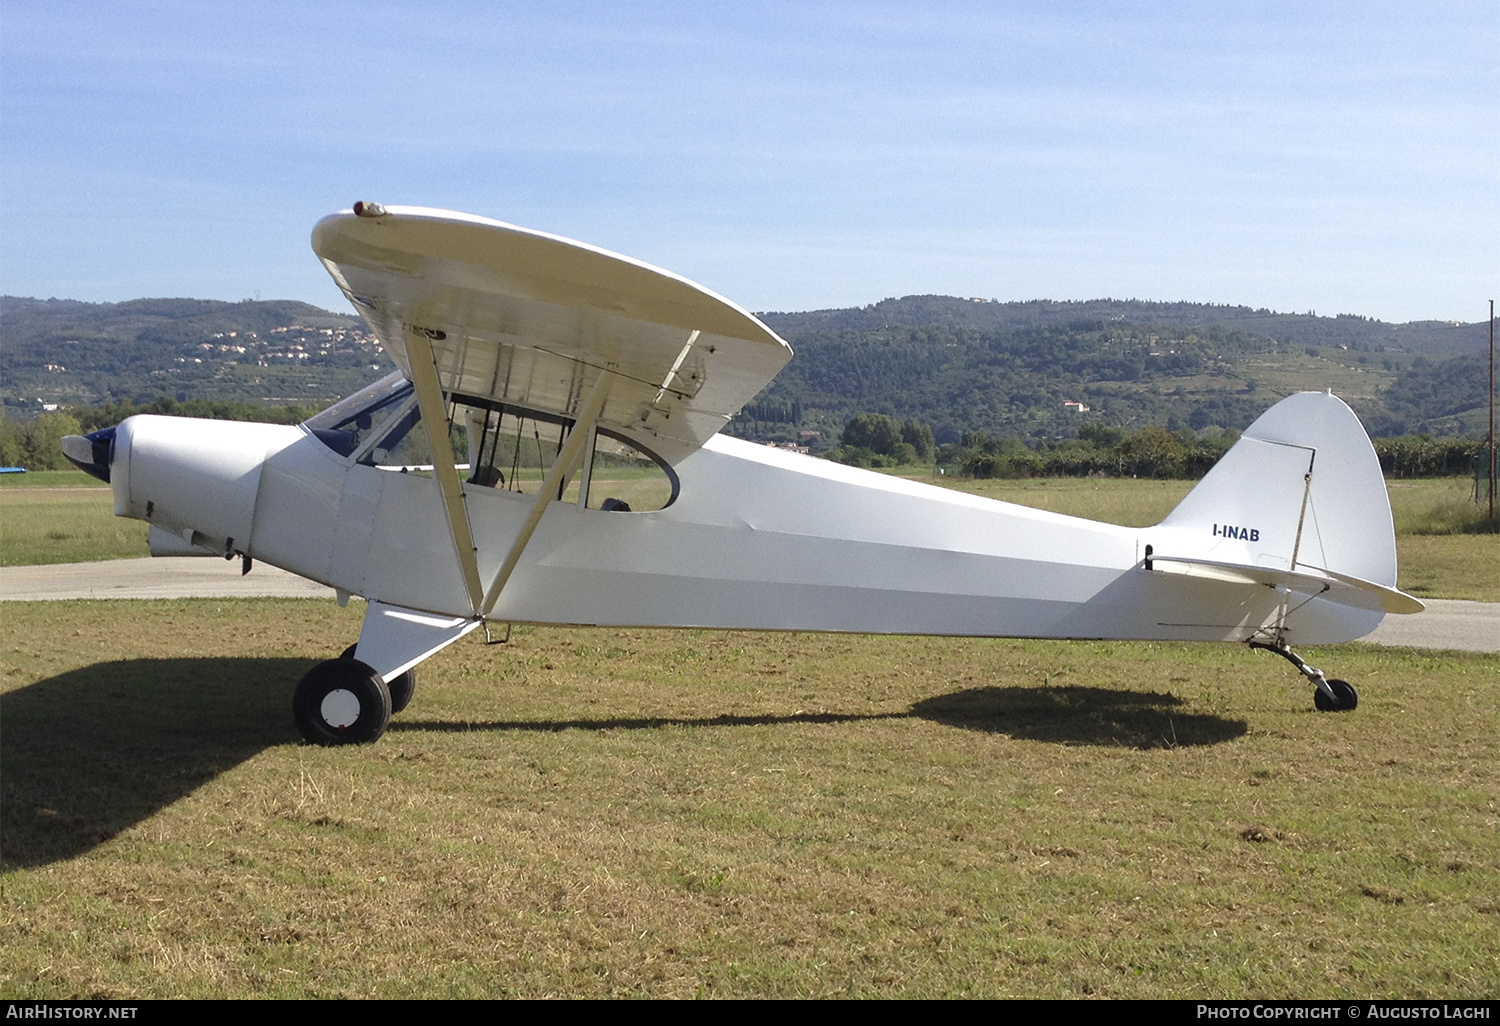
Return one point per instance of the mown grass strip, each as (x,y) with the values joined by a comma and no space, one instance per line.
(681,813)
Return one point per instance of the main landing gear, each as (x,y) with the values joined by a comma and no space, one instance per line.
(401,689)
(1331,695)
(344,702)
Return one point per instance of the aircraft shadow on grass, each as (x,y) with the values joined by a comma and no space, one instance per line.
(1071,715)
(1060,715)
(96,750)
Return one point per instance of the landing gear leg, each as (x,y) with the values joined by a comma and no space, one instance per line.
(1331,695)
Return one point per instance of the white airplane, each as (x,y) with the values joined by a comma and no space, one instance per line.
(550,452)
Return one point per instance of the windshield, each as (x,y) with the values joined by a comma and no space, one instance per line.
(345,425)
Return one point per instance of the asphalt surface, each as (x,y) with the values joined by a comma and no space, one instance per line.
(1447,624)
(154,578)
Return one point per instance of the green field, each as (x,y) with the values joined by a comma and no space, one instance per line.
(64,523)
(687,813)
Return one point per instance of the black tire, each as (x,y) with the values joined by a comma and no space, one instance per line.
(401,689)
(342,702)
(1344,699)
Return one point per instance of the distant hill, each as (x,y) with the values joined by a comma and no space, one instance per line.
(268,353)
(1037,369)
(1431,337)
(1043,369)
(35,317)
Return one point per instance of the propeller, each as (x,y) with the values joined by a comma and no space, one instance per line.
(91,453)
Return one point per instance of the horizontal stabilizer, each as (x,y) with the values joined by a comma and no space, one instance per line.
(1391,600)
(1334,586)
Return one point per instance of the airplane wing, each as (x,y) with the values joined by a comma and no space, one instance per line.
(533,320)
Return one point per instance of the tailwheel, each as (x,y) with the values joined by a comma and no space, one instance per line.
(1343,699)
(401,689)
(1328,695)
(342,702)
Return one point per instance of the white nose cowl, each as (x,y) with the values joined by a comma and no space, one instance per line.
(196,479)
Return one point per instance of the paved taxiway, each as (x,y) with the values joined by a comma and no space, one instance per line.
(1447,624)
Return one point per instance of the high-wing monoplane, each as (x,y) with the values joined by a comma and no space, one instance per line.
(550,451)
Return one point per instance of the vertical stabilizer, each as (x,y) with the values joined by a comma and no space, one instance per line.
(1301,490)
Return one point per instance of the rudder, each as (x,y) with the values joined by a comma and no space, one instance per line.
(1301,489)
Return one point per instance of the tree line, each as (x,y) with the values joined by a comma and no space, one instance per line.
(878,441)
(36,444)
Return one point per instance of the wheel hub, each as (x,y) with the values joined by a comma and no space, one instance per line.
(339,709)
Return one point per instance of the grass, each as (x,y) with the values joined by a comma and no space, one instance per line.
(1450,566)
(1445,545)
(1438,506)
(1129,502)
(64,522)
(614,813)
(49,479)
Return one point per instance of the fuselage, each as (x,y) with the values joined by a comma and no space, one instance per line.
(757,538)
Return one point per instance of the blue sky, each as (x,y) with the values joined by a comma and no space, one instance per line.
(1337,157)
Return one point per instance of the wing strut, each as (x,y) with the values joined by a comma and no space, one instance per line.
(572,450)
(424,378)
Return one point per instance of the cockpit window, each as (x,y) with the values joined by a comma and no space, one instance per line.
(624,478)
(349,423)
(513,449)
(502,447)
